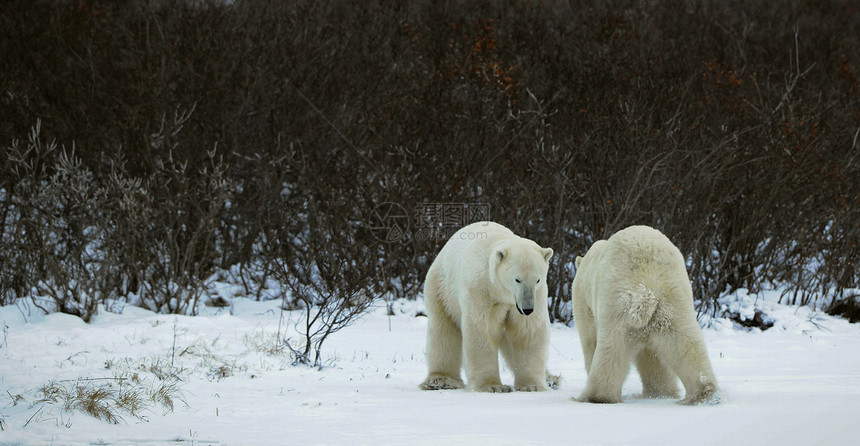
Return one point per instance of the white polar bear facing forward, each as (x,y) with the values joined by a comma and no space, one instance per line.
(486,292)
(632,301)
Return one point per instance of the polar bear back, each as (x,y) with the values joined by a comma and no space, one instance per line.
(467,252)
(462,268)
(642,249)
(463,262)
(635,257)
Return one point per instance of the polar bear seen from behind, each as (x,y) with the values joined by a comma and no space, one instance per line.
(486,292)
(632,301)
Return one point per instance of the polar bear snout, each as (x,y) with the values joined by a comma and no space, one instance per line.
(525,312)
(526,301)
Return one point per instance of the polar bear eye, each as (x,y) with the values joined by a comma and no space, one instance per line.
(518,281)
(538,281)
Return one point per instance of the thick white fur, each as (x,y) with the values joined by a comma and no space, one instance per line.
(632,301)
(472,295)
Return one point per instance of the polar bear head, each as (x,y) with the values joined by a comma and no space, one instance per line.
(519,267)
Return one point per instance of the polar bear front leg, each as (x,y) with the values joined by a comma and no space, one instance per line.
(526,354)
(482,357)
(657,380)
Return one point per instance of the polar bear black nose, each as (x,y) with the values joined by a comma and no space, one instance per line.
(527,311)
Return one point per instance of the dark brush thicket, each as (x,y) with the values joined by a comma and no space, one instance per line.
(150,145)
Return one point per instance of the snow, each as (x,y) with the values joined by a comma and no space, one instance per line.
(796,383)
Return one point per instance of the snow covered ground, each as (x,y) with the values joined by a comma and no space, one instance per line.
(797,383)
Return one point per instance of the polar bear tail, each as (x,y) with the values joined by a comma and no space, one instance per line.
(643,303)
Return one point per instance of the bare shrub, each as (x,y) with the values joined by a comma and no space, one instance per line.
(329,280)
(26,169)
(731,128)
(181,249)
(60,238)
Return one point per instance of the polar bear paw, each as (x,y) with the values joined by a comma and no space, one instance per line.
(494,388)
(531,388)
(439,382)
(655,395)
(584,398)
(707,395)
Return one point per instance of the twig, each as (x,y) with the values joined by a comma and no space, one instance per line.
(34,414)
(70,358)
(106,378)
(173,348)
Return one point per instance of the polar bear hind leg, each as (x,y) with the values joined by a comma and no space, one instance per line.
(527,364)
(609,368)
(687,356)
(584,320)
(481,346)
(444,345)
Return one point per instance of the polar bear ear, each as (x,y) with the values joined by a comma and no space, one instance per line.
(495,259)
(578,261)
(547,253)
(498,256)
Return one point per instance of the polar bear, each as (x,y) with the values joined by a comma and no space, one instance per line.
(632,301)
(485,292)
